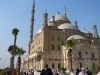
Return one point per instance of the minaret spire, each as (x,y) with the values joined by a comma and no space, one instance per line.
(32,22)
(84,28)
(64,11)
(95,31)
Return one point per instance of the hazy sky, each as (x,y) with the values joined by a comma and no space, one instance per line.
(17,14)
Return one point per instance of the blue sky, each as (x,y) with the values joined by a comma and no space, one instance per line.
(17,14)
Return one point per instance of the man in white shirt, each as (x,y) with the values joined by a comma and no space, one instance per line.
(83,72)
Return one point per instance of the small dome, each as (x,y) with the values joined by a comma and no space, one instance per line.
(77,37)
(51,24)
(39,31)
(67,26)
(60,17)
(86,31)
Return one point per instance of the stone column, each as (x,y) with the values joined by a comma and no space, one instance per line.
(42,63)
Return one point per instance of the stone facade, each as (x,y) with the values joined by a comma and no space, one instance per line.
(46,46)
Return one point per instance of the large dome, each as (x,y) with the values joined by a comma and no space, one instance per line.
(77,37)
(59,17)
(67,26)
(86,31)
(51,24)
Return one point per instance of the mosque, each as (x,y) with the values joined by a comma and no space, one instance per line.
(46,46)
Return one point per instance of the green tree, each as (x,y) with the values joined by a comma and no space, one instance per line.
(63,69)
(12,51)
(15,33)
(94,69)
(69,44)
(19,52)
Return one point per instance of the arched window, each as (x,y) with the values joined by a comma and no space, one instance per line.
(52,38)
(59,66)
(58,47)
(93,64)
(92,55)
(80,65)
(80,56)
(53,65)
(52,47)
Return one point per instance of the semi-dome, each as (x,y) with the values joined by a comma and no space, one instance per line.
(77,37)
(86,31)
(67,26)
(39,31)
(59,17)
(51,24)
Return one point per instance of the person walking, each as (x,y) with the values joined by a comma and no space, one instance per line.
(55,72)
(46,70)
(13,73)
(98,71)
(77,71)
(71,72)
(88,72)
(83,72)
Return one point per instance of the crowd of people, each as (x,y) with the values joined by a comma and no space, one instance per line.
(29,72)
(48,71)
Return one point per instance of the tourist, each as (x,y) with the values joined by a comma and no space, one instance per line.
(77,71)
(13,73)
(46,71)
(32,72)
(88,72)
(98,71)
(82,72)
(71,72)
(55,72)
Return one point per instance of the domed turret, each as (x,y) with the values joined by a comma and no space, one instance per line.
(77,37)
(60,17)
(39,31)
(67,26)
(86,31)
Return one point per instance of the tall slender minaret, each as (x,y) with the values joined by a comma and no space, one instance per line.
(95,31)
(64,11)
(32,22)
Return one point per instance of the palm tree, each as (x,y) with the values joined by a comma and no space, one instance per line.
(15,33)
(19,52)
(69,44)
(12,51)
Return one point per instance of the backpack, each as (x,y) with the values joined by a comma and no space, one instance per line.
(89,73)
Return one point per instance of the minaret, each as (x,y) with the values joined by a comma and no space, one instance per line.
(95,31)
(45,18)
(64,11)
(53,18)
(32,22)
(75,22)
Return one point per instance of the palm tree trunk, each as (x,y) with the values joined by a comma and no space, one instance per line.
(19,63)
(12,62)
(12,58)
(13,54)
(70,59)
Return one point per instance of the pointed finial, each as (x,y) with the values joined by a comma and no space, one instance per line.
(58,12)
(84,28)
(45,10)
(64,11)
(33,3)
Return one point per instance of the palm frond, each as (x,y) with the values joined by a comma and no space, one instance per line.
(20,51)
(69,43)
(15,31)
